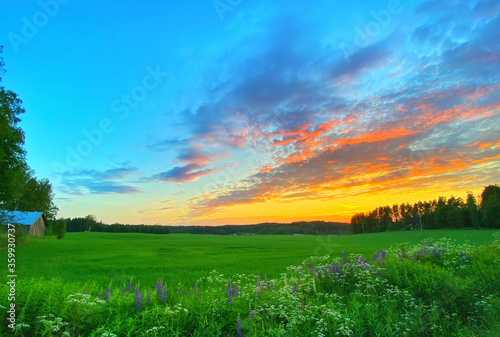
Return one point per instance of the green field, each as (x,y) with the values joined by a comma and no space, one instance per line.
(103,284)
(110,257)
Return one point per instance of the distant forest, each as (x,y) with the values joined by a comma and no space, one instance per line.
(269,228)
(90,223)
(440,213)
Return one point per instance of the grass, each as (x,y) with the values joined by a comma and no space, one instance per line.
(105,257)
(449,288)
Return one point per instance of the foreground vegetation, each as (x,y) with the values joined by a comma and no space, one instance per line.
(432,288)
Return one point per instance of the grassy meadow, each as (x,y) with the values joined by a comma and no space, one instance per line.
(106,284)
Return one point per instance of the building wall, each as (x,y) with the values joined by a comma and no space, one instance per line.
(38,227)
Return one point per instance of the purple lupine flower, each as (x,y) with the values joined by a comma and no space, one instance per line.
(436,253)
(319,274)
(106,295)
(404,254)
(378,272)
(256,291)
(124,289)
(415,258)
(399,255)
(325,271)
(344,257)
(383,253)
(265,281)
(164,296)
(293,288)
(375,255)
(363,260)
(129,286)
(430,244)
(350,265)
(138,302)
(238,326)
(159,288)
(196,287)
(148,298)
(250,314)
(229,293)
(136,292)
(236,291)
(271,287)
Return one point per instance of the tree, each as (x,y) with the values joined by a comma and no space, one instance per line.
(19,189)
(488,192)
(90,222)
(472,210)
(13,167)
(491,211)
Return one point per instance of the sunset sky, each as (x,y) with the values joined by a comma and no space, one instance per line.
(224,112)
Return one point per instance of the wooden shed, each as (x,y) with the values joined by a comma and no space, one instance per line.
(35,222)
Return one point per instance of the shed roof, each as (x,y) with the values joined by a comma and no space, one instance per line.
(22,218)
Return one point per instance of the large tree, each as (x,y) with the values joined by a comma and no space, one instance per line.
(19,189)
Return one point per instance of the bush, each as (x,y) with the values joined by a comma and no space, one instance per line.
(59,228)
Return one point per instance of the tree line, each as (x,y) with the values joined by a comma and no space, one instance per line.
(438,213)
(269,228)
(90,224)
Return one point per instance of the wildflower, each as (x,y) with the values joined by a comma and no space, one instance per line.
(404,254)
(319,274)
(136,292)
(238,326)
(344,257)
(196,287)
(265,281)
(350,265)
(124,289)
(164,296)
(256,291)
(106,295)
(415,258)
(159,288)
(399,255)
(138,302)
(229,293)
(271,287)
(436,253)
(236,291)
(293,288)
(250,314)
(148,298)
(129,286)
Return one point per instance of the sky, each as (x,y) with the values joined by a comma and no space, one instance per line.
(238,111)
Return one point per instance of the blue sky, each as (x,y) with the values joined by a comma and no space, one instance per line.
(209,112)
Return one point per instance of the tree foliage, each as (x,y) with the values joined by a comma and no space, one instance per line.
(19,188)
(441,213)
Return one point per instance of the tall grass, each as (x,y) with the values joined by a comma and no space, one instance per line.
(438,288)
